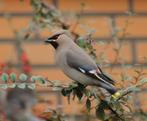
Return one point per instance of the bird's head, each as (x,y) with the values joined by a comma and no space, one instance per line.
(58,38)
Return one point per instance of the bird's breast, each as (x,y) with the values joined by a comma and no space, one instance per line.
(60,58)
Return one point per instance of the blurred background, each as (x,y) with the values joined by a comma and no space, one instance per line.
(119,31)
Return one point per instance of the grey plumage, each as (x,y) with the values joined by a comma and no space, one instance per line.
(77,64)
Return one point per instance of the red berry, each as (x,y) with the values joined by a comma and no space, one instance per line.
(24,57)
(1,72)
(2,65)
(27,68)
(8,71)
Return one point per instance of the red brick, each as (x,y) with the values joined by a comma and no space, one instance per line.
(137,26)
(20,22)
(116,74)
(15,6)
(16,23)
(39,53)
(5,31)
(99,24)
(118,70)
(108,51)
(143,102)
(141,52)
(53,74)
(94,5)
(140,6)
(45,33)
(75,107)
(7,53)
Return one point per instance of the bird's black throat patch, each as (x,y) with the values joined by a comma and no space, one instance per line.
(54,44)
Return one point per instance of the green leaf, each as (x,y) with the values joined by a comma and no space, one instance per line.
(87,93)
(88,104)
(13,77)
(144,80)
(56,83)
(21,85)
(79,94)
(79,91)
(31,86)
(72,86)
(23,77)
(4,77)
(81,42)
(34,79)
(68,99)
(100,110)
(63,91)
(12,85)
(126,77)
(135,89)
(3,86)
(41,80)
(66,92)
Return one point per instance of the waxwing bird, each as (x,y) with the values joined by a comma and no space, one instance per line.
(76,63)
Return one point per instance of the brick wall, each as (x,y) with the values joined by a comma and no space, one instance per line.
(101,15)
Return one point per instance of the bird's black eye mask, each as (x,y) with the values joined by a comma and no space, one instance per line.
(52,40)
(54,37)
(54,44)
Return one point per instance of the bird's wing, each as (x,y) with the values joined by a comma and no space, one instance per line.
(85,65)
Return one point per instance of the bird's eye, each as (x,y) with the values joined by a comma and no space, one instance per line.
(54,37)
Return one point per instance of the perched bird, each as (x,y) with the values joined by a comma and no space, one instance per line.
(76,63)
(17,104)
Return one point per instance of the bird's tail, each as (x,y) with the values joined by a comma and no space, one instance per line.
(107,83)
(111,89)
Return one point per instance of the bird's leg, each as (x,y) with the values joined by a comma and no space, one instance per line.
(81,85)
